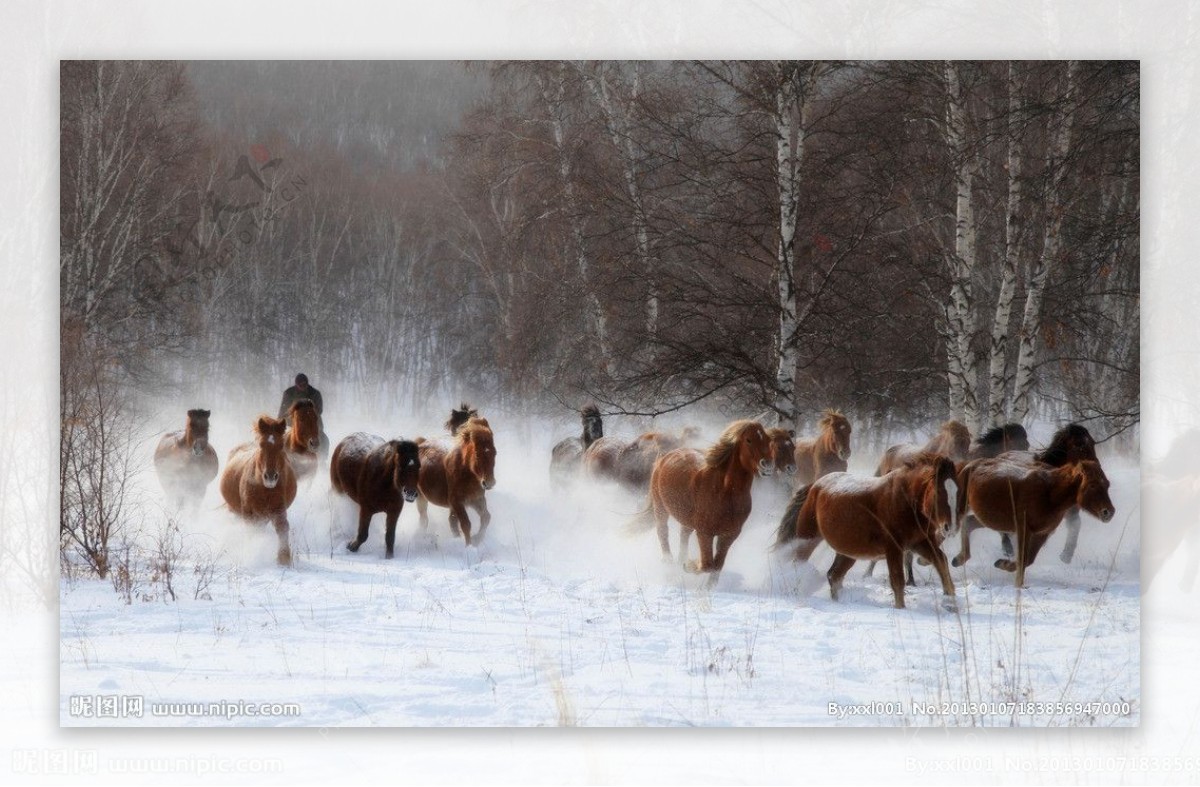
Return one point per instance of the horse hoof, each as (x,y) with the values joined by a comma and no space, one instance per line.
(1064,557)
(950,604)
(285,559)
(922,561)
(692,566)
(1005,565)
(958,561)
(389,554)
(353,546)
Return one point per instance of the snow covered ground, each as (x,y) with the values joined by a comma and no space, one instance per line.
(558,617)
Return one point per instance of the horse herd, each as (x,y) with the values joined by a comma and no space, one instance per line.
(919,495)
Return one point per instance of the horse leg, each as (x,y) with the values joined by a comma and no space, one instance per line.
(805,550)
(1006,545)
(723,544)
(685,535)
(1072,523)
(705,563)
(837,573)
(364,525)
(284,557)
(460,522)
(934,554)
(895,564)
(389,534)
(423,511)
(870,568)
(1018,564)
(909,580)
(970,523)
(485,516)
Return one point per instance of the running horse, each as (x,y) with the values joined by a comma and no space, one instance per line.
(566,458)
(456,478)
(828,452)
(379,475)
(186,462)
(1015,493)
(630,463)
(302,440)
(783,451)
(872,518)
(258,482)
(707,493)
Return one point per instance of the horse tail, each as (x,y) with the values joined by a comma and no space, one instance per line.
(643,520)
(787,525)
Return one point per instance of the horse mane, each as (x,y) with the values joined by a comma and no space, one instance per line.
(1059,451)
(721,451)
(462,415)
(265,426)
(829,417)
(475,427)
(406,450)
(591,411)
(958,434)
(198,414)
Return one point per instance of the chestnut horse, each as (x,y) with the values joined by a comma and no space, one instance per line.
(566,458)
(631,463)
(456,478)
(259,483)
(379,475)
(185,461)
(708,493)
(873,518)
(783,452)
(828,452)
(302,441)
(953,441)
(1017,494)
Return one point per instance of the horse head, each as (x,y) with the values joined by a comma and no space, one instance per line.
(407,468)
(479,450)
(954,440)
(593,424)
(197,430)
(1072,443)
(783,450)
(753,447)
(930,476)
(1093,490)
(306,425)
(270,461)
(836,429)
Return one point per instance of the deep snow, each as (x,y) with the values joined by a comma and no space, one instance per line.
(558,617)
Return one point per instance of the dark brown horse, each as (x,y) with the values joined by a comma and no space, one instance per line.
(566,458)
(783,452)
(185,461)
(707,493)
(456,478)
(999,439)
(459,417)
(302,441)
(828,452)
(1017,494)
(379,475)
(259,483)
(631,463)
(874,518)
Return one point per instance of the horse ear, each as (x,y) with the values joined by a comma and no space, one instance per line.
(263,426)
(204,413)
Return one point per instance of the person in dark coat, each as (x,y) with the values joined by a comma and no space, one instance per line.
(302,390)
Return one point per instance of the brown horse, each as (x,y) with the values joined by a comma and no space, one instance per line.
(783,452)
(185,461)
(1016,494)
(873,518)
(457,478)
(379,475)
(631,463)
(259,483)
(566,458)
(707,493)
(828,452)
(953,441)
(302,441)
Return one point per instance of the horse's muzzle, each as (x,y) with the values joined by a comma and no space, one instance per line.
(765,468)
(488,483)
(1106,514)
(790,470)
(314,444)
(410,495)
(198,447)
(270,480)
(844,454)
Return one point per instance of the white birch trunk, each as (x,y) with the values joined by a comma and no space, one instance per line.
(960,360)
(998,370)
(789,149)
(1035,290)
